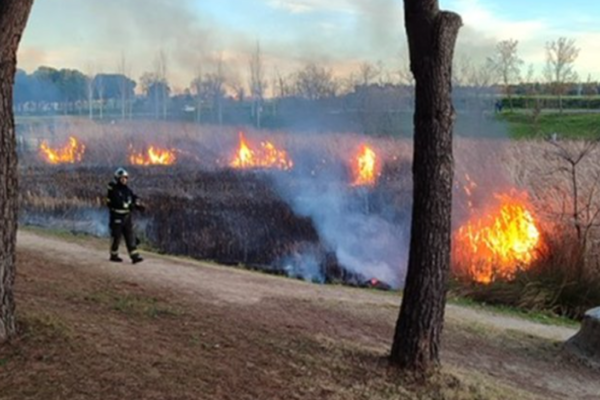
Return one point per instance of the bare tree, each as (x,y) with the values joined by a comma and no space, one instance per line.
(124,70)
(482,78)
(367,73)
(89,89)
(198,94)
(461,70)
(314,82)
(217,88)
(99,90)
(258,84)
(431,37)
(561,55)
(463,74)
(13,18)
(530,81)
(583,210)
(590,90)
(209,89)
(349,83)
(532,92)
(283,86)
(507,64)
(154,88)
(237,87)
(161,70)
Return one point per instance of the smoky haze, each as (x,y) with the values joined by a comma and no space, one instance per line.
(368,235)
(365,229)
(93,35)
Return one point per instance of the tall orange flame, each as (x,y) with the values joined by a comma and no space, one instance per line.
(267,156)
(365,167)
(153,156)
(499,242)
(70,153)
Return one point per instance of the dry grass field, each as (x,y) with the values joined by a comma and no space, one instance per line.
(201,207)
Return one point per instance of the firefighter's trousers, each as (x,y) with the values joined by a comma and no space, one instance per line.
(121,225)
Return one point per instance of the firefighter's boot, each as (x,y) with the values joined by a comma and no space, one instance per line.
(136,258)
(115,258)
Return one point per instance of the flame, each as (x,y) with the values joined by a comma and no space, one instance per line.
(153,156)
(469,188)
(268,156)
(71,153)
(499,243)
(365,167)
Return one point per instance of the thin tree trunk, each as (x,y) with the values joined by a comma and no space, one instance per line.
(13,18)
(560,104)
(123,103)
(432,36)
(91,105)
(165,98)
(259,113)
(198,110)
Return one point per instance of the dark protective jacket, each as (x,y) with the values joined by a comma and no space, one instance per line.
(120,199)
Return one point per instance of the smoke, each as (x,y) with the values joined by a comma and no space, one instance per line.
(368,234)
(92,35)
(383,23)
(307,264)
(189,39)
(89,221)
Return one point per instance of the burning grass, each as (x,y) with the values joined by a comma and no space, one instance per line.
(497,242)
(153,156)
(264,156)
(70,153)
(554,262)
(550,284)
(231,217)
(366,167)
(222,201)
(238,209)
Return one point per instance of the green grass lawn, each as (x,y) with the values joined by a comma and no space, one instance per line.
(582,125)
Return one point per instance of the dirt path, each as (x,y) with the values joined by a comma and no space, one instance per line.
(223,284)
(512,352)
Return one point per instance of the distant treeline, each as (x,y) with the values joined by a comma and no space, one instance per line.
(312,98)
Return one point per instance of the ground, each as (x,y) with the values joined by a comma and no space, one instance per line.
(172,328)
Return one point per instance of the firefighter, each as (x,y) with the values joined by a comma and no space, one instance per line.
(122,201)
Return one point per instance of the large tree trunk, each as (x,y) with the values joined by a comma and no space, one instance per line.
(13,18)
(432,36)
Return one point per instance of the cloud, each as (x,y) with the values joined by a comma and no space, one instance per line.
(485,20)
(308,6)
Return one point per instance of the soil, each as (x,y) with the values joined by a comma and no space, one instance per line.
(173,328)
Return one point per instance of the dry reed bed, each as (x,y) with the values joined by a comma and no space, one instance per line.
(205,210)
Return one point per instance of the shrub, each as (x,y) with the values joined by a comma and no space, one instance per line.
(563,280)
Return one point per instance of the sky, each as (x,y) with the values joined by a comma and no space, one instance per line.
(97,35)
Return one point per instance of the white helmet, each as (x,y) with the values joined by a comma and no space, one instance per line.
(120,172)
